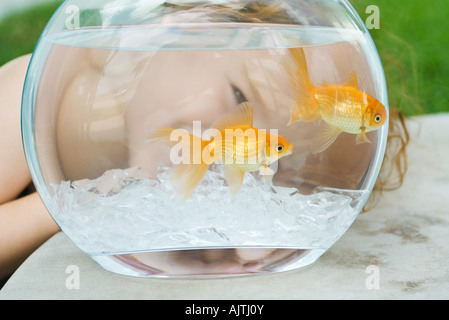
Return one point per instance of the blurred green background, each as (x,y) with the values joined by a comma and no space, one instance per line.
(413,43)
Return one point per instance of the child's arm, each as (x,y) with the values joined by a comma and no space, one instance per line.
(24,223)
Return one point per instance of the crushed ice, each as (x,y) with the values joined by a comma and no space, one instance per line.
(127,211)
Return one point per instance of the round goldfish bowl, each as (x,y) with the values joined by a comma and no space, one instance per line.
(204,138)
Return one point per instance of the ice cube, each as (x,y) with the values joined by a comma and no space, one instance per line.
(126,210)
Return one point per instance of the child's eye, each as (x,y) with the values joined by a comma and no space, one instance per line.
(239,96)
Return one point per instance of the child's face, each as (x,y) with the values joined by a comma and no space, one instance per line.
(178,88)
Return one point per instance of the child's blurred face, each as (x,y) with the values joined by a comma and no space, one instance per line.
(179,88)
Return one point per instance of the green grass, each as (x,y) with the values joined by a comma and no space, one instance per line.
(413,43)
(20,31)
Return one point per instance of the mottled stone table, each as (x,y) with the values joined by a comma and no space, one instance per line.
(399,250)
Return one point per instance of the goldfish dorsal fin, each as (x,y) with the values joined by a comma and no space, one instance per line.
(352,82)
(234,178)
(242,116)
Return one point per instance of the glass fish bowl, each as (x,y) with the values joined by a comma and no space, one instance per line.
(205,138)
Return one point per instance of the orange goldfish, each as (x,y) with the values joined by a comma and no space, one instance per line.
(235,142)
(344,108)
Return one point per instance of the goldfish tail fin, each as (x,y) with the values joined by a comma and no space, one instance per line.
(234,178)
(160,134)
(305,107)
(326,137)
(191,171)
(186,177)
(169,135)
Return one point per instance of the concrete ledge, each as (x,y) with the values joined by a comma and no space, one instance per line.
(405,238)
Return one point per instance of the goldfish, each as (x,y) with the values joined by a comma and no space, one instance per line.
(343,108)
(235,142)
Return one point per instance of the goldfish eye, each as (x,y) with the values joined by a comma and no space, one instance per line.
(279,148)
(377,118)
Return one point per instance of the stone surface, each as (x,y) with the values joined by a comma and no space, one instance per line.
(403,240)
